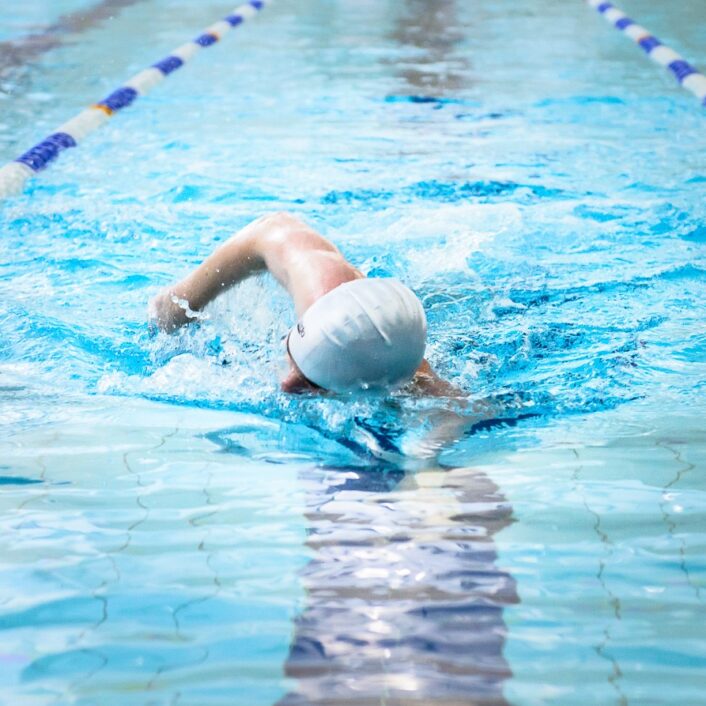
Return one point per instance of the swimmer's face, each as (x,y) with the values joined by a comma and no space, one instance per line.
(295,382)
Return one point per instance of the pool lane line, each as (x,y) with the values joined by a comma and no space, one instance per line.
(686,74)
(14,174)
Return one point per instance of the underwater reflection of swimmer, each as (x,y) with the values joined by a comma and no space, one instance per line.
(353,332)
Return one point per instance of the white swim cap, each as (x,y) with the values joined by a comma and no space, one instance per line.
(364,333)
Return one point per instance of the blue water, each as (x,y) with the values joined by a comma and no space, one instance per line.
(178,531)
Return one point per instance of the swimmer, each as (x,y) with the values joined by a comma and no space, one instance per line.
(352,332)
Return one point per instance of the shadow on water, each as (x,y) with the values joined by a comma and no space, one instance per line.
(432,30)
(18,52)
(404,598)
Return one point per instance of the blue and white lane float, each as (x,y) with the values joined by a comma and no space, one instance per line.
(687,75)
(14,175)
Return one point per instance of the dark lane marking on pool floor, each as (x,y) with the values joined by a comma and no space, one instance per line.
(404,595)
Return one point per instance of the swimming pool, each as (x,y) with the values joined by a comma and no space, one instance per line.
(177,531)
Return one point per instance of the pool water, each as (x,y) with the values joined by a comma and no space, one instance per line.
(175,530)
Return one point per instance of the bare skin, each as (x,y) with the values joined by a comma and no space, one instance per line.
(306,264)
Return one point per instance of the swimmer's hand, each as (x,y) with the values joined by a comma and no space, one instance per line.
(168,312)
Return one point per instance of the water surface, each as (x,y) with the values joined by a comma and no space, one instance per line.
(178,531)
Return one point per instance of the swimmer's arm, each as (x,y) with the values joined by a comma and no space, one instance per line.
(279,243)
(446,425)
(427,383)
(232,262)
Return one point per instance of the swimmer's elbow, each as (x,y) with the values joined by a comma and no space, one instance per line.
(284,219)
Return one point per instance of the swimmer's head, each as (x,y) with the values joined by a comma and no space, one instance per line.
(368,333)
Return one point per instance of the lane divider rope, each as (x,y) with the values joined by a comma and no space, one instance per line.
(14,175)
(687,75)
